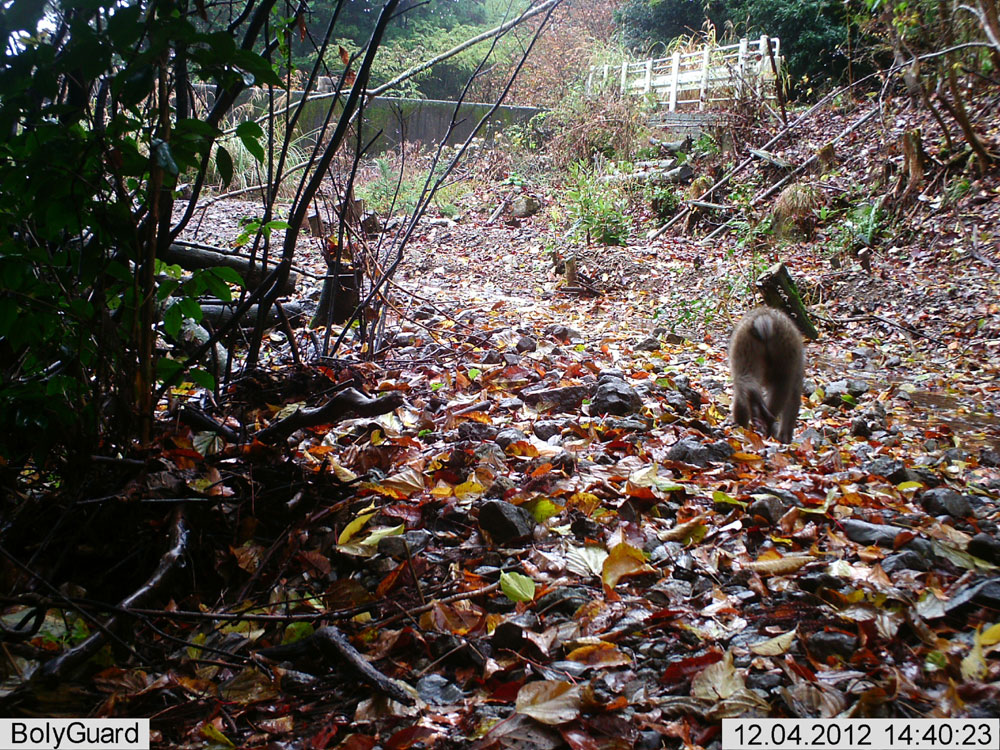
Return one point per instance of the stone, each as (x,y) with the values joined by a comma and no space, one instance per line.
(526,344)
(946,501)
(864,532)
(905,560)
(615,396)
(690,450)
(508,436)
(477,432)
(546,429)
(562,399)
(396,546)
(768,507)
(648,344)
(983,594)
(831,643)
(525,205)
(438,691)
(985,547)
(504,522)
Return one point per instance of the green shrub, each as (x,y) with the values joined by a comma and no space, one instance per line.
(598,211)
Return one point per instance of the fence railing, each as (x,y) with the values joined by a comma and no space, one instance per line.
(695,80)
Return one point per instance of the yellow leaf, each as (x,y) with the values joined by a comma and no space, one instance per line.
(600,655)
(777,645)
(780,566)
(468,489)
(354,527)
(623,560)
(991,636)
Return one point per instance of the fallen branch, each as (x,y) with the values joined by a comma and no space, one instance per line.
(332,645)
(350,401)
(58,668)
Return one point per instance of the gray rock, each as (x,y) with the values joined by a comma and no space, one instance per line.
(989,457)
(690,450)
(565,600)
(500,487)
(615,397)
(547,428)
(945,501)
(768,507)
(648,344)
(565,399)
(983,594)
(509,435)
(396,546)
(985,547)
(905,560)
(526,344)
(525,205)
(863,532)
(831,643)
(477,432)
(505,523)
(563,333)
(438,691)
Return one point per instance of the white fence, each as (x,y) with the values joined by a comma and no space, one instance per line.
(694,80)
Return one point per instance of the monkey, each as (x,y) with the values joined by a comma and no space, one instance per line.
(765,357)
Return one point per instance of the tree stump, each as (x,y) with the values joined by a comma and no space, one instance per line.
(778,290)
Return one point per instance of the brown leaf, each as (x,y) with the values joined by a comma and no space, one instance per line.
(549,701)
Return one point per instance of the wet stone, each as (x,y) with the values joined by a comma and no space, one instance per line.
(505,523)
(985,547)
(438,691)
(768,507)
(396,546)
(690,450)
(476,431)
(831,643)
(526,344)
(564,399)
(545,429)
(905,560)
(508,436)
(946,501)
(565,600)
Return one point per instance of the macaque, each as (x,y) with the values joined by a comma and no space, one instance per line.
(765,359)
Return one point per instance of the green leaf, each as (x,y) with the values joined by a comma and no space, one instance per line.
(297,631)
(202,377)
(517,587)
(251,133)
(474,373)
(172,319)
(543,509)
(224,163)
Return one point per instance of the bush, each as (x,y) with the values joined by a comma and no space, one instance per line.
(599,211)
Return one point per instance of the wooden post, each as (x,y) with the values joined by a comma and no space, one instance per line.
(624,75)
(672,107)
(703,94)
(648,84)
(741,67)
(765,50)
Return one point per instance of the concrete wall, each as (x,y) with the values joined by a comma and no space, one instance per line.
(391,121)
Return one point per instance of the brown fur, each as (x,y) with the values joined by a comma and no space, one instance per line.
(767,364)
